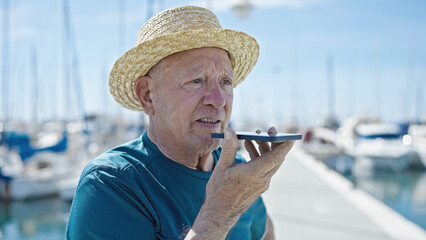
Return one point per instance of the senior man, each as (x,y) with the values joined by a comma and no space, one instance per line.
(175,181)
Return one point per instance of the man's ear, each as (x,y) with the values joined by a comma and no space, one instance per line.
(142,88)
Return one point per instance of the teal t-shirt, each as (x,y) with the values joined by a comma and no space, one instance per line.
(135,192)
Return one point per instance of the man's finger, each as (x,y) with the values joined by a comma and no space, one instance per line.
(263,146)
(274,170)
(274,158)
(251,149)
(272,131)
(229,149)
(276,144)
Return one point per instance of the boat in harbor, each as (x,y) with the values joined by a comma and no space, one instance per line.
(375,146)
(320,142)
(417,139)
(33,168)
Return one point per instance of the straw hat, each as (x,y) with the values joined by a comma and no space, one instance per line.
(175,30)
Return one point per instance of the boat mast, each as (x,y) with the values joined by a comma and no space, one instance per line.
(418,114)
(5,58)
(122,25)
(150,9)
(70,50)
(65,53)
(330,87)
(35,87)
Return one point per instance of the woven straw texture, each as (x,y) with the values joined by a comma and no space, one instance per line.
(172,31)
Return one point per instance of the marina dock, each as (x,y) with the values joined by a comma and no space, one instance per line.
(306,200)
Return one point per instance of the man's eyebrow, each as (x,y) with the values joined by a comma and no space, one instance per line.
(229,72)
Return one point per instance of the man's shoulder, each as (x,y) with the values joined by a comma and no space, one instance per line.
(120,159)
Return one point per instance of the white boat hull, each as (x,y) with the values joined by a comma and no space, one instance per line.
(381,155)
(40,177)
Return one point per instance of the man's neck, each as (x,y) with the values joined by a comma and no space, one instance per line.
(199,161)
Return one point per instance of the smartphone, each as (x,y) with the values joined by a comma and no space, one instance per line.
(262,136)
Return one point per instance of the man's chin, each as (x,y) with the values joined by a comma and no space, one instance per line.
(210,144)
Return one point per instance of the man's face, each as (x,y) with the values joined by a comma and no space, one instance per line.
(192,97)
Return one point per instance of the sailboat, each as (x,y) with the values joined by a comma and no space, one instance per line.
(376,146)
(34,163)
(31,165)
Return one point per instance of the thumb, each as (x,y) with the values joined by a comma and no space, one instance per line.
(229,149)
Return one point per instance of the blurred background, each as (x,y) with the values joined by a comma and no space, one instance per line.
(348,74)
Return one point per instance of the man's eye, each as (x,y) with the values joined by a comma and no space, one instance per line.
(196,81)
(227,82)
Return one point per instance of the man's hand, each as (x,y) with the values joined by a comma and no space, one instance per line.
(233,188)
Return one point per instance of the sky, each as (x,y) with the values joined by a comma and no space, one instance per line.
(317,57)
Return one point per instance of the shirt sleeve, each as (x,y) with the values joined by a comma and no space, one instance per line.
(105,207)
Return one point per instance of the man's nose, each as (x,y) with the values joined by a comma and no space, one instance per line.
(215,96)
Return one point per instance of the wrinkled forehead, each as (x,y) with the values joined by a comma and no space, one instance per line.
(177,57)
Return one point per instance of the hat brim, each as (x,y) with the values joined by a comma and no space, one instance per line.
(242,48)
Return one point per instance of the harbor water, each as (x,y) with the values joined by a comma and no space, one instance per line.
(404,192)
(41,219)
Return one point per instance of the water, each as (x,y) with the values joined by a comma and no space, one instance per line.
(43,219)
(404,192)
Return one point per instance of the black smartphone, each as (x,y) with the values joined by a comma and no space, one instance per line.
(281,137)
